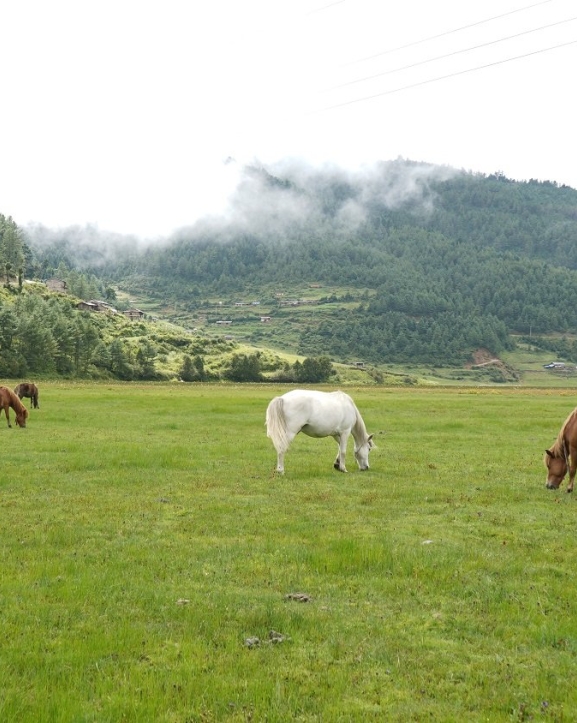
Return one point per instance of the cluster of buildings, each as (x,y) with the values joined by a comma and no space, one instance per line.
(94,305)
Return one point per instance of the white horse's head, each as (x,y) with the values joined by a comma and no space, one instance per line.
(362,453)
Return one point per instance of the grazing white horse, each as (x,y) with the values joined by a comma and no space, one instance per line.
(318,414)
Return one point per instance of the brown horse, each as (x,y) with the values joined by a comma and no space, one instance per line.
(9,399)
(562,456)
(30,390)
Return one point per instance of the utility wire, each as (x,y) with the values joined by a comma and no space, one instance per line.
(449,55)
(325,7)
(449,32)
(449,75)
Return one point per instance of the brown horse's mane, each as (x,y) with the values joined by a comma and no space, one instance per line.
(16,404)
(559,446)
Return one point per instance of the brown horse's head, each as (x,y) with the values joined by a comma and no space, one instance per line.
(21,417)
(556,469)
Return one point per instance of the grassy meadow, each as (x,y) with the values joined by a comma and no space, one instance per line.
(155,569)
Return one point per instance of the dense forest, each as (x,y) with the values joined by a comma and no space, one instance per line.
(44,333)
(439,261)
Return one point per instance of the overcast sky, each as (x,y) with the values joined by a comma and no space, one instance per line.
(123,113)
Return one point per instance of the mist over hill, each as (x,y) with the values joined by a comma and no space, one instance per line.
(434,262)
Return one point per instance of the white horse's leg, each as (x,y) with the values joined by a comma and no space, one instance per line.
(341,440)
(280,462)
(280,453)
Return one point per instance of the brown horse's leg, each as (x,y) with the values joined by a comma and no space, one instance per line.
(6,412)
(572,468)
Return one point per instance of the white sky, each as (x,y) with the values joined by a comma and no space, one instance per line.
(121,113)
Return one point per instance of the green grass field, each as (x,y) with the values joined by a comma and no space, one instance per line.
(148,551)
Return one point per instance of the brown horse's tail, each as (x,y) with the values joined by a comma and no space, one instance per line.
(276,425)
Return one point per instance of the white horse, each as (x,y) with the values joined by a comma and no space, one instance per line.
(318,414)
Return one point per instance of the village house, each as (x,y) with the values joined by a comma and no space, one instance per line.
(94,305)
(134,314)
(86,306)
(103,306)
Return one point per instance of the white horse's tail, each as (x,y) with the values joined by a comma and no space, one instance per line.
(276,425)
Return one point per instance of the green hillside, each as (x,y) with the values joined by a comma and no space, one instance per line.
(401,264)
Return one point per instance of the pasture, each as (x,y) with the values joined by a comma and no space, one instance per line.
(149,552)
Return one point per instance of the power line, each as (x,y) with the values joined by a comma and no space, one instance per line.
(449,32)
(449,75)
(449,55)
(325,7)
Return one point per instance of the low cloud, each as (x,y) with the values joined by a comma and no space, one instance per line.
(279,201)
(284,199)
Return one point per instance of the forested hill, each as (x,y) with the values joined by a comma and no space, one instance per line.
(440,261)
